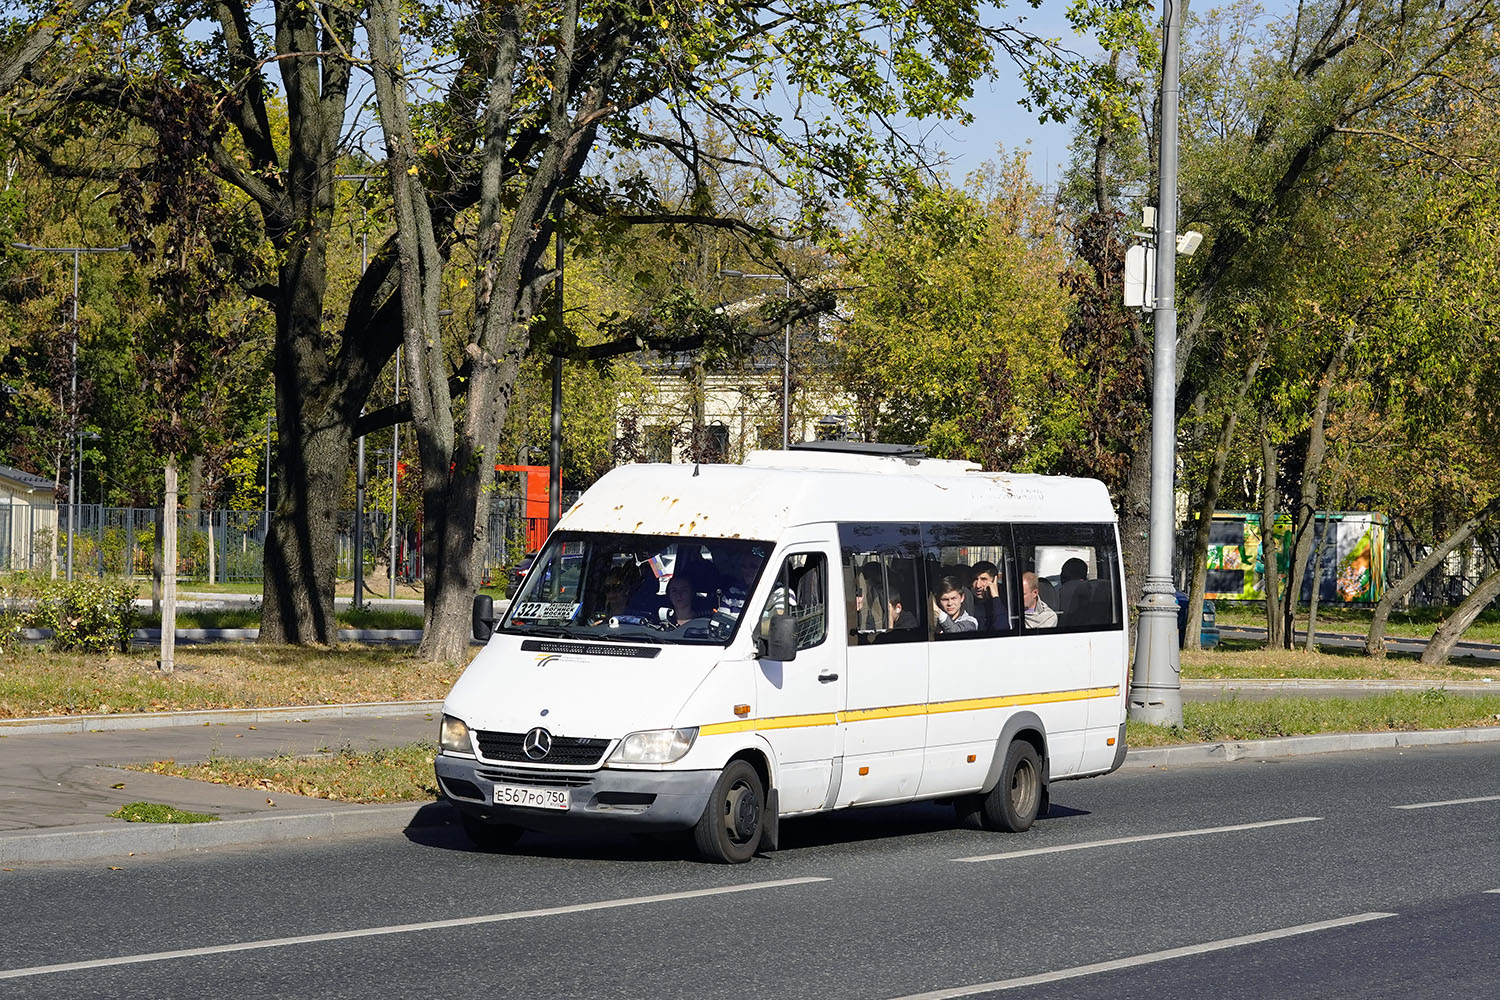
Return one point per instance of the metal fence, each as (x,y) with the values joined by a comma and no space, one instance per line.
(225,546)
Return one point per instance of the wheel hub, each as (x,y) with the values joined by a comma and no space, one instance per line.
(744,813)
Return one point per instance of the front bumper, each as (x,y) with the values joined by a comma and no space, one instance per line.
(640,800)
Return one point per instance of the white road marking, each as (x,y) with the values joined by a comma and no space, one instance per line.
(430,925)
(1450,802)
(1492,890)
(1137,840)
(1147,959)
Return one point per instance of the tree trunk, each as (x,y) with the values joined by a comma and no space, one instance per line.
(1310,644)
(1270,499)
(1307,501)
(169,576)
(1453,627)
(1375,641)
(1135,522)
(314,432)
(1193,639)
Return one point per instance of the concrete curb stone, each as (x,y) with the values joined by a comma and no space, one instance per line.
(212,716)
(1296,746)
(83,843)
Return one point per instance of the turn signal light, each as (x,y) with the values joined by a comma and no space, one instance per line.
(745,710)
(1110,742)
(972,758)
(864,771)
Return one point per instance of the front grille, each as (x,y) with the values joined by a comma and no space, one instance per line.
(551,779)
(571,751)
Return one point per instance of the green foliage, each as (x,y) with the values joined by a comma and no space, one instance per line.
(956,292)
(85,615)
(1216,721)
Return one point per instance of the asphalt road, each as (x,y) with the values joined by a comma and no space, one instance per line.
(1298,877)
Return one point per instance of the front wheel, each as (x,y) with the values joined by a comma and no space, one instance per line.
(729,830)
(1013,804)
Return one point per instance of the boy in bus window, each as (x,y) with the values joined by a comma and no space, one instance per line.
(1038,615)
(948,607)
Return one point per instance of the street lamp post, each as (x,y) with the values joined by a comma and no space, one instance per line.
(73,446)
(786,351)
(1156,684)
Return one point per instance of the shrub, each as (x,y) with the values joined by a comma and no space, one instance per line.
(89,616)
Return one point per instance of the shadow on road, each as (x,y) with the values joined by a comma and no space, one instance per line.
(436,826)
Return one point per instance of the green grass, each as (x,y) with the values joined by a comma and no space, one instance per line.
(1232,719)
(396,774)
(155,812)
(36,681)
(1245,660)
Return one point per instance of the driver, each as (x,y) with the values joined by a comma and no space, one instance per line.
(683,595)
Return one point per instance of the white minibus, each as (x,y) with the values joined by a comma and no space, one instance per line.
(716,648)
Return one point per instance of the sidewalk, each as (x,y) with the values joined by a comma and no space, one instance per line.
(60,779)
(59,782)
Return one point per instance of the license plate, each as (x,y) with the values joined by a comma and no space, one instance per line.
(531,798)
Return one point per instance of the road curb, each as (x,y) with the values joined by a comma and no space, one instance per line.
(212,716)
(1297,746)
(112,840)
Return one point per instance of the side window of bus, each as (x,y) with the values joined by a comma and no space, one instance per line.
(1069,577)
(884,583)
(970,573)
(800,590)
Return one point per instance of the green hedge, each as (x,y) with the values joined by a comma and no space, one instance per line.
(90,616)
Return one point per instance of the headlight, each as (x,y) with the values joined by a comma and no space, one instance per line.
(454,736)
(659,746)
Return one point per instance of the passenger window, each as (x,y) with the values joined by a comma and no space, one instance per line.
(884,583)
(970,573)
(1069,577)
(800,590)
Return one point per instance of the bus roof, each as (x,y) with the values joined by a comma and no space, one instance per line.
(775,490)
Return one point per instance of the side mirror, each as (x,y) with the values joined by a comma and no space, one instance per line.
(484,617)
(780,640)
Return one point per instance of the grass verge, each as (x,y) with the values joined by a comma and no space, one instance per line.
(1217,721)
(396,774)
(36,682)
(1235,660)
(1414,622)
(404,774)
(155,812)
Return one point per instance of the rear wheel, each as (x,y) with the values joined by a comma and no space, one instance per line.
(1013,804)
(730,827)
(489,836)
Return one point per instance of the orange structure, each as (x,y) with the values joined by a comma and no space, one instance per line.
(535,497)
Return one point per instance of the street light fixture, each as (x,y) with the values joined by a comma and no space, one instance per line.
(786,351)
(74,481)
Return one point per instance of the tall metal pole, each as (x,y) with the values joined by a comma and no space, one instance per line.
(1156,685)
(554,470)
(73,430)
(786,376)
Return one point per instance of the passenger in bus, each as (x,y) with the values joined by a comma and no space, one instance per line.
(1038,615)
(870,606)
(1073,590)
(684,595)
(903,621)
(989,608)
(948,607)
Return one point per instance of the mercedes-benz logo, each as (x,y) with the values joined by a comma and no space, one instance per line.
(537,744)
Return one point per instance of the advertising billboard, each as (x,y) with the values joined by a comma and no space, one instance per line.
(1350,569)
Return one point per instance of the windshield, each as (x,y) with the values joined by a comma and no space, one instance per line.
(641,588)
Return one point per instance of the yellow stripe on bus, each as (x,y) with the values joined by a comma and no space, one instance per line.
(907,711)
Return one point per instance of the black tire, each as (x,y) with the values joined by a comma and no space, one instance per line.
(970,811)
(1013,804)
(489,836)
(729,830)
